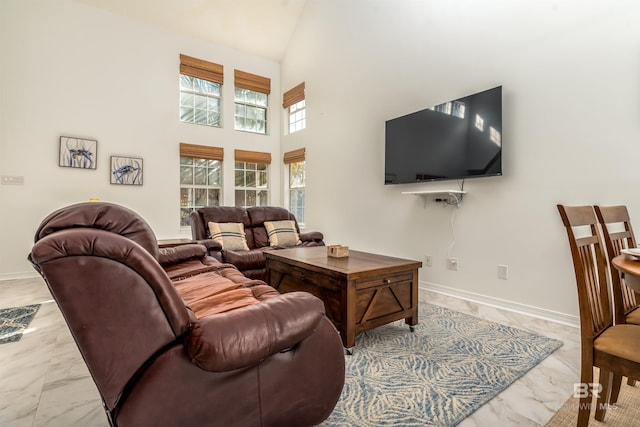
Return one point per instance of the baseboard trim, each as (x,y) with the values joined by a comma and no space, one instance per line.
(542,313)
(16,276)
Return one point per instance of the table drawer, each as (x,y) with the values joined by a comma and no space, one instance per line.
(318,280)
(384,280)
(297,274)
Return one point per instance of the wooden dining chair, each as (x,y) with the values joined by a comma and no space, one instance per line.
(613,348)
(615,240)
(625,300)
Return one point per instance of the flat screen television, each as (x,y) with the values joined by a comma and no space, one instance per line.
(454,140)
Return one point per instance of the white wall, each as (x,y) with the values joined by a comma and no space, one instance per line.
(69,69)
(570,72)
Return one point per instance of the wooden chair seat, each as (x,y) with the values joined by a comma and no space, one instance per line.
(633,317)
(621,341)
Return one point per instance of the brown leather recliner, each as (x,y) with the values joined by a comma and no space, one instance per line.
(252,262)
(240,354)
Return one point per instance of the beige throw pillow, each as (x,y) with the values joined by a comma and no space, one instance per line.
(230,235)
(282,233)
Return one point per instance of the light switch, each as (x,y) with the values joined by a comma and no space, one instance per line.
(12,180)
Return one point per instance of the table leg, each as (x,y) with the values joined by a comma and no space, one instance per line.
(348,325)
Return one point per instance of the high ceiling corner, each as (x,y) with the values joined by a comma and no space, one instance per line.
(257,27)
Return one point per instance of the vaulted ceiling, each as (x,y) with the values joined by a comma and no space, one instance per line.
(258,27)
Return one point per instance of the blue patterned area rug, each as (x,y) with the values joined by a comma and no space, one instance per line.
(437,376)
(14,320)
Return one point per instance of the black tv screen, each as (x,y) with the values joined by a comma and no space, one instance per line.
(454,140)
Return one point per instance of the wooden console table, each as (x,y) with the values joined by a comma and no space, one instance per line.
(360,292)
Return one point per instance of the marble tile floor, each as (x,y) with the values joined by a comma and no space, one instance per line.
(44,381)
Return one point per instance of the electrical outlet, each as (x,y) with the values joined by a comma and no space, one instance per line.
(452,264)
(503,271)
(428,261)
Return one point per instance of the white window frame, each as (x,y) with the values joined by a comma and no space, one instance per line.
(189,205)
(246,169)
(255,105)
(205,105)
(297,117)
(301,187)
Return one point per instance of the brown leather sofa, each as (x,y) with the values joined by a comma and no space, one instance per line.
(173,337)
(252,262)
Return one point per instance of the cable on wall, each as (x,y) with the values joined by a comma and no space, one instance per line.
(453,233)
(453,215)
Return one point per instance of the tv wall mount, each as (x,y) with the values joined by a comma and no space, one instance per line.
(446,197)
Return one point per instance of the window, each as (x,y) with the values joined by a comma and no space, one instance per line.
(251,97)
(296,161)
(479,123)
(251,111)
(200,179)
(251,178)
(297,117)
(199,101)
(294,100)
(200,91)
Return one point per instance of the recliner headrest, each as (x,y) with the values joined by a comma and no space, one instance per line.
(104,216)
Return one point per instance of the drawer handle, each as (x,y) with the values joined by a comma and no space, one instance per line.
(387,281)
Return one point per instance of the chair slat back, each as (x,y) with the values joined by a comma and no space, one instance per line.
(590,269)
(611,217)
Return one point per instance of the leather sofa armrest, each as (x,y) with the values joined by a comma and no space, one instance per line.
(312,236)
(246,260)
(210,244)
(244,337)
(176,254)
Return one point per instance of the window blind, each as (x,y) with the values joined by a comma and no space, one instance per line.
(201,151)
(252,156)
(201,69)
(253,82)
(294,156)
(293,95)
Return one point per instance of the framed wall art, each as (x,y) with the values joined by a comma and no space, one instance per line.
(78,153)
(126,170)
